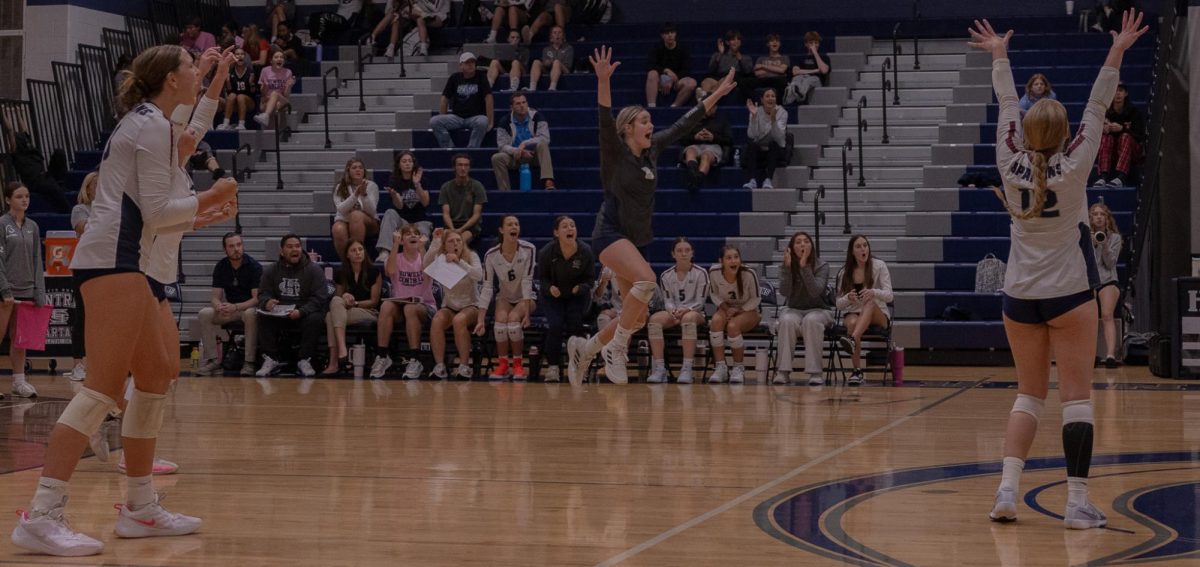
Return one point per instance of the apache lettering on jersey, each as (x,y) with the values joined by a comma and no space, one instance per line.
(1019,169)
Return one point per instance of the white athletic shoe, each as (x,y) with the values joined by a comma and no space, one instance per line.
(262,119)
(752,184)
(24,390)
(816,380)
(159,468)
(658,376)
(552,375)
(225,126)
(463,373)
(767,184)
(781,378)
(305,368)
(380,366)
(208,368)
(50,533)
(153,521)
(1005,507)
(99,440)
(1116,182)
(422,49)
(1084,517)
(685,375)
(615,358)
(439,372)
(390,52)
(241,125)
(413,369)
(576,365)
(737,375)
(720,374)
(78,373)
(269,366)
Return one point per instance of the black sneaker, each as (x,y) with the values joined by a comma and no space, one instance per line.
(856,378)
(1111,362)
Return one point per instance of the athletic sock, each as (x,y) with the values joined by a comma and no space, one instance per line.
(18,378)
(1010,478)
(141,491)
(621,337)
(50,492)
(1077,491)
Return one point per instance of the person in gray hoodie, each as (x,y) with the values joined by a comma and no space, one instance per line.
(293,280)
(22,277)
(807,311)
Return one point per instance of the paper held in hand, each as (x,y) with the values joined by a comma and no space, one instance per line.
(280,310)
(445,273)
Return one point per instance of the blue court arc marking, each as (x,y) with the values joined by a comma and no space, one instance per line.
(809,517)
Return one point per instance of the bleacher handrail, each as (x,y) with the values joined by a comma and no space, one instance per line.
(325,92)
(884,86)
(847,171)
(818,218)
(360,63)
(862,127)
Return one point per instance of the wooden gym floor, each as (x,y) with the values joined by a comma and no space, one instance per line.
(354,472)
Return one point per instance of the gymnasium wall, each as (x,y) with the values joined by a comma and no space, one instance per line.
(54,27)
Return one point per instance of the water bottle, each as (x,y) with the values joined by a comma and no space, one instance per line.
(737,158)
(526,177)
(195,358)
(358,358)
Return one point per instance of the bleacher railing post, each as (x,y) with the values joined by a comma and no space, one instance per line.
(818,219)
(862,126)
(847,171)
(884,86)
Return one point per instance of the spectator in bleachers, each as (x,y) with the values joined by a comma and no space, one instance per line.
(566,270)
(705,147)
(296,283)
(287,42)
(239,91)
(22,276)
(512,67)
(1121,144)
(229,36)
(771,70)
(509,264)
(462,200)
(274,87)
(810,72)
(733,288)
(728,56)
(195,39)
(558,57)
(807,310)
(1106,247)
(79,218)
(390,21)
(684,291)
(256,46)
(523,138)
(235,281)
(355,300)
(351,12)
(515,12)
(766,137)
(411,300)
(458,311)
(557,12)
(864,290)
(280,12)
(1036,88)
(355,199)
(669,64)
(426,14)
(466,104)
(409,199)
(29,163)
(203,159)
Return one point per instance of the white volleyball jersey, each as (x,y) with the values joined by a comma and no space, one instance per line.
(689,293)
(134,193)
(741,294)
(1050,256)
(515,278)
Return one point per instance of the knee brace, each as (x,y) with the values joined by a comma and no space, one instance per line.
(1078,411)
(1028,405)
(144,415)
(500,330)
(87,411)
(515,332)
(655,331)
(717,338)
(737,342)
(689,331)
(642,291)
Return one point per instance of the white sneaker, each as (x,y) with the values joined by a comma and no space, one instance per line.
(816,380)
(158,468)
(552,375)
(241,125)
(658,376)
(208,368)
(615,358)
(422,49)
(390,52)
(491,38)
(1101,182)
(1084,517)
(738,375)
(153,521)
(685,375)
(413,369)
(781,378)
(380,366)
(225,126)
(767,184)
(383,256)
(269,366)
(99,440)
(50,533)
(1005,507)
(752,184)
(439,372)
(78,373)
(305,368)
(24,390)
(247,369)
(720,374)
(1116,182)
(262,119)
(576,365)
(463,372)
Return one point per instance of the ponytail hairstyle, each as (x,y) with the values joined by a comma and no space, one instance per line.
(626,117)
(847,284)
(1110,225)
(741,268)
(343,187)
(1045,128)
(500,230)
(147,75)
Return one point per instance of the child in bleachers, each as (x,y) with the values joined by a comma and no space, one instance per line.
(864,290)
(458,302)
(733,288)
(683,288)
(411,300)
(1121,144)
(275,85)
(1036,88)
(239,91)
(510,264)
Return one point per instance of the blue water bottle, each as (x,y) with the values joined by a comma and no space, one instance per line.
(526,177)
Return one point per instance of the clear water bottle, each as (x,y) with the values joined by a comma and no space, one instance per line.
(526,177)
(195,358)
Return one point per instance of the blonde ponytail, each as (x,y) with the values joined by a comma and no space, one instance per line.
(1037,162)
(146,76)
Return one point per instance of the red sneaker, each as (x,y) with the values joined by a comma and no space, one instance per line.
(518,371)
(501,371)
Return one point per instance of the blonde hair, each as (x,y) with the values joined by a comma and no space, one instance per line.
(1110,225)
(626,118)
(343,186)
(83,198)
(1045,131)
(147,75)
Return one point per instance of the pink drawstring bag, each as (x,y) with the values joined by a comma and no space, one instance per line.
(33,323)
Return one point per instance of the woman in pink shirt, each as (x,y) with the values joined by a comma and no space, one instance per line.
(275,83)
(412,300)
